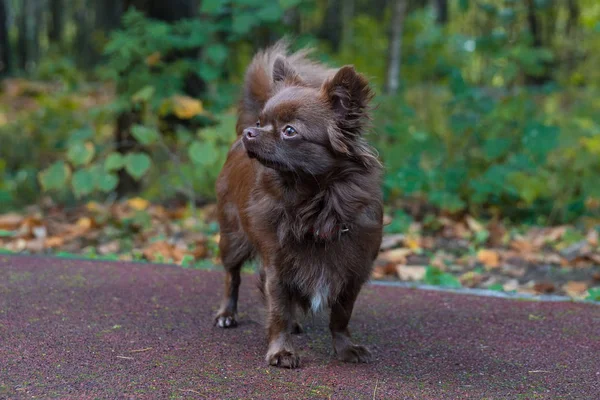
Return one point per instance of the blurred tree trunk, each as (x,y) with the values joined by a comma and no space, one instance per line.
(535,30)
(168,11)
(57,21)
(84,48)
(395,47)
(23,41)
(574,13)
(347,22)
(108,15)
(572,55)
(331,28)
(5,53)
(441,11)
(37,23)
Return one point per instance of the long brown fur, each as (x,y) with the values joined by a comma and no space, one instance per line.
(300,190)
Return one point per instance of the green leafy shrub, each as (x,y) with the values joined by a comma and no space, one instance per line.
(70,152)
(475,140)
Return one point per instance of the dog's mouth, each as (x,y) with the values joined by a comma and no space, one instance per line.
(269,163)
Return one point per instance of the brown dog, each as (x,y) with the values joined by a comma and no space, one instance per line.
(301,191)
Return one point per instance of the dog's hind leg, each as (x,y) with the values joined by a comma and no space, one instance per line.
(235,250)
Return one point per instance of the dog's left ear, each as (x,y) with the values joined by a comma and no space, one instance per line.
(348,94)
(284,72)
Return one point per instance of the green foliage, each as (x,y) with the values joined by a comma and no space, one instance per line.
(593,294)
(435,276)
(55,176)
(483,141)
(467,134)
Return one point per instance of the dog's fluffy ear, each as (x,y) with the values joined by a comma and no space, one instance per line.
(348,94)
(284,72)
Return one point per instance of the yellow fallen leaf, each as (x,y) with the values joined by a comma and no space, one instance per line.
(137,203)
(413,243)
(489,258)
(85,223)
(92,206)
(186,107)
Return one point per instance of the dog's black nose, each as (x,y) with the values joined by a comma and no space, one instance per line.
(251,133)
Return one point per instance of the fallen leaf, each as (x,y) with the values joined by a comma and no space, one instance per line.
(522,246)
(441,260)
(387,219)
(162,251)
(513,271)
(39,232)
(497,233)
(35,245)
(592,237)
(200,251)
(395,256)
(575,250)
(470,279)
(109,248)
(54,241)
(552,259)
(411,272)
(474,225)
(84,223)
(137,203)
(595,257)
(378,272)
(544,287)
(10,221)
(391,241)
(575,289)
(547,235)
(413,243)
(489,258)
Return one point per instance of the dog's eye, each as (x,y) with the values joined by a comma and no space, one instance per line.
(289,131)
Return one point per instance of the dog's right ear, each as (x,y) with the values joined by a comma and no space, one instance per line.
(284,72)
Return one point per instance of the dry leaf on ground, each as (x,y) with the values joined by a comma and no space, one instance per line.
(395,256)
(576,289)
(411,272)
(137,203)
(544,287)
(489,258)
(11,221)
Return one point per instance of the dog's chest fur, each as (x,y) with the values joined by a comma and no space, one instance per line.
(317,271)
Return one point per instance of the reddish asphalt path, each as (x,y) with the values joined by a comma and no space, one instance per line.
(91,329)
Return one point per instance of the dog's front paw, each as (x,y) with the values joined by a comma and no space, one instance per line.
(355,354)
(225,320)
(284,359)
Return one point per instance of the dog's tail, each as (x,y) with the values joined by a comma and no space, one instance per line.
(259,85)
